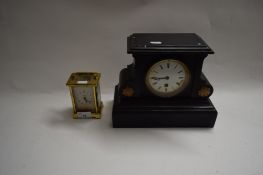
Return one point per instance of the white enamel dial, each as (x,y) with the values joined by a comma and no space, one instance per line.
(167,78)
(84,98)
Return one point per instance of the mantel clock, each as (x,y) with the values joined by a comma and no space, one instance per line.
(164,86)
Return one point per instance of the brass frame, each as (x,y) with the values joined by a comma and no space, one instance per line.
(71,83)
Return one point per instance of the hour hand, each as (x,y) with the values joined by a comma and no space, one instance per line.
(85,99)
(155,78)
(160,78)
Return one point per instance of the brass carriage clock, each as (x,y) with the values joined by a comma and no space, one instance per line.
(85,94)
(164,86)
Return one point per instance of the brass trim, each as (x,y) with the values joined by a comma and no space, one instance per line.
(94,78)
(72,99)
(94,115)
(204,91)
(127,91)
(95,99)
(93,83)
(98,95)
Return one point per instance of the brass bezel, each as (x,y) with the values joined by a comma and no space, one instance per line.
(175,92)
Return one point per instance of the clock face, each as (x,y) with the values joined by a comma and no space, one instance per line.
(167,78)
(84,98)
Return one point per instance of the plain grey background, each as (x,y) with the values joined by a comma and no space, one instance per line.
(43,41)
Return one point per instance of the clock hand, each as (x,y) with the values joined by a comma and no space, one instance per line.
(160,78)
(85,99)
(166,78)
(154,78)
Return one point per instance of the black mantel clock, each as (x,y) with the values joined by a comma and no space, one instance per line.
(164,86)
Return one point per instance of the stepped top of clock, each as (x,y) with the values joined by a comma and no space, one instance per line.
(166,43)
(83,78)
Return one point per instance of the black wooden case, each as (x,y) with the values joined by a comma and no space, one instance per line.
(144,109)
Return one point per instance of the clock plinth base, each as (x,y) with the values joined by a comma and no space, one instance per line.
(154,113)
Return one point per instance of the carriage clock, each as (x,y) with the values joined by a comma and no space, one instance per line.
(164,86)
(85,94)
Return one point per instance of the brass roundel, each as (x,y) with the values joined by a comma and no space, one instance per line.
(127,91)
(204,91)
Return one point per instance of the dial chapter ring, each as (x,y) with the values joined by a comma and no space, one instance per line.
(174,92)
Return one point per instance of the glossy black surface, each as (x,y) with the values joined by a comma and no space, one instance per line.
(166,42)
(143,108)
(137,113)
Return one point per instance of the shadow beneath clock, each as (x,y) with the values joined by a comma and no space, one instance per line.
(63,119)
(101,132)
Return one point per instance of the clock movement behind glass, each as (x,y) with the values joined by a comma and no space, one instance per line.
(164,86)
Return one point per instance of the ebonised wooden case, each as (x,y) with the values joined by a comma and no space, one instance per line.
(136,106)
